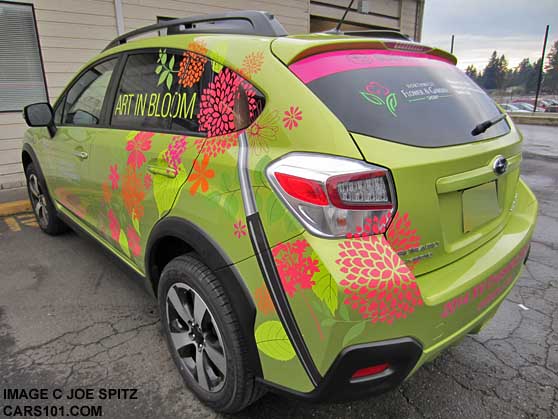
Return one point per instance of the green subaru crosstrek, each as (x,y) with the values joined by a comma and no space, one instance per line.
(318,214)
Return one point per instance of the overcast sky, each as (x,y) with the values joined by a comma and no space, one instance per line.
(511,27)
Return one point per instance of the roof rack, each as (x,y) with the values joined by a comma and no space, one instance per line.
(372,33)
(247,22)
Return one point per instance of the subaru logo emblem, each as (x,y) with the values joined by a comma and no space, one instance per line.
(500,165)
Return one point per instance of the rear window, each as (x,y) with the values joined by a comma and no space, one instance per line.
(400,96)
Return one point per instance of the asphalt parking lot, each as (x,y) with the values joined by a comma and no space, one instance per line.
(69,317)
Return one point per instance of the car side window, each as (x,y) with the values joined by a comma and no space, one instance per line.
(181,91)
(84,100)
(58,110)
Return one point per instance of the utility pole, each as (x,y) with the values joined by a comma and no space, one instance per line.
(452,39)
(541,69)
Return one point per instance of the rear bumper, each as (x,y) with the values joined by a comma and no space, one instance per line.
(401,354)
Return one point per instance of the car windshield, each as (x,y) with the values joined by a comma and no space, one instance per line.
(401,96)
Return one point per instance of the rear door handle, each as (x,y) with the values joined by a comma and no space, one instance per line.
(81,154)
(164,171)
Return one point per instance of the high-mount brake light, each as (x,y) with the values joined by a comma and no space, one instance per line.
(333,196)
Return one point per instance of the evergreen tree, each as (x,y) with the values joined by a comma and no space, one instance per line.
(551,70)
(490,73)
(531,85)
(472,72)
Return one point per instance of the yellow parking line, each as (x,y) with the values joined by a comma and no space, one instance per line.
(12,224)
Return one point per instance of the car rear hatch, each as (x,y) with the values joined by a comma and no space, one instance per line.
(409,109)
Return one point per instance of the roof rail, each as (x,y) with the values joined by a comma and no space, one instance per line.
(372,33)
(246,22)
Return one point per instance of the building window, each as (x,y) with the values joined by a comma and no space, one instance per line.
(22,79)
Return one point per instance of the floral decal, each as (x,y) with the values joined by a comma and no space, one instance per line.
(132,193)
(292,117)
(136,146)
(200,176)
(295,268)
(263,132)
(217,145)
(380,95)
(114,225)
(240,229)
(114,176)
(252,63)
(107,192)
(192,65)
(402,237)
(147,181)
(216,115)
(174,151)
(133,241)
(377,283)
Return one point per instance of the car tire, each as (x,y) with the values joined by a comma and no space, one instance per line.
(43,208)
(204,335)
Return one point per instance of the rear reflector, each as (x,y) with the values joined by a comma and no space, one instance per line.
(306,190)
(369,371)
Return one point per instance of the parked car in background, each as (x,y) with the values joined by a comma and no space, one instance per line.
(541,104)
(316,214)
(508,107)
(527,107)
(551,108)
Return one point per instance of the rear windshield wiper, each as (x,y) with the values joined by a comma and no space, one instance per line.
(483,126)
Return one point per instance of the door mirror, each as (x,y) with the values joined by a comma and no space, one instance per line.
(40,115)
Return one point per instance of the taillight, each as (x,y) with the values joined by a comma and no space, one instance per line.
(334,196)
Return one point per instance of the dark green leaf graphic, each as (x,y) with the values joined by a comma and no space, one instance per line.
(353,333)
(391,103)
(372,98)
(326,289)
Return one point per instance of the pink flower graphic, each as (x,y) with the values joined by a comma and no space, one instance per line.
(114,176)
(240,229)
(295,268)
(216,114)
(291,117)
(212,147)
(147,181)
(175,149)
(377,89)
(377,282)
(114,225)
(141,142)
(133,241)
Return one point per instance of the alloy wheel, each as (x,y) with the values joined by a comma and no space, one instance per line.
(38,200)
(196,337)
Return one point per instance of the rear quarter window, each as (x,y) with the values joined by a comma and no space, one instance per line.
(404,97)
(180,91)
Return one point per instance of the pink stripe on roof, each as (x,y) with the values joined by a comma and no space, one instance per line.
(328,63)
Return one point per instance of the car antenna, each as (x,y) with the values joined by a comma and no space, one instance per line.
(338,27)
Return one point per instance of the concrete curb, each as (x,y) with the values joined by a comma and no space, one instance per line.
(15,207)
(528,119)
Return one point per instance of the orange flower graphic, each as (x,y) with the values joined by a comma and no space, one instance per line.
(263,300)
(107,192)
(200,176)
(252,63)
(133,193)
(191,67)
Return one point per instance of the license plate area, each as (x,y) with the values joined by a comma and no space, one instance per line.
(480,205)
